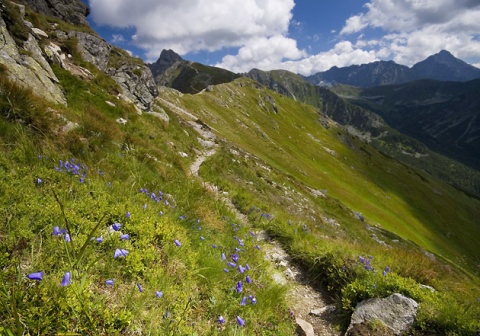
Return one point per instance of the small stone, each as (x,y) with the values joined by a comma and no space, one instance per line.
(304,328)
(323,310)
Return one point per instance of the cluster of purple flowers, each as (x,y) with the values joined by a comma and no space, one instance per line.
(367,263)
(72,167)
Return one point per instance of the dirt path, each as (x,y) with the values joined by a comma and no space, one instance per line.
(308,303)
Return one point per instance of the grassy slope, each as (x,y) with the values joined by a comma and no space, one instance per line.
(291,152)
(388,193)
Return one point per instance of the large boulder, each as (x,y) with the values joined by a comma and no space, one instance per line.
(396,312)
(29,69)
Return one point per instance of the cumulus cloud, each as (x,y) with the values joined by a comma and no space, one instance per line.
(194,25)
(417,29)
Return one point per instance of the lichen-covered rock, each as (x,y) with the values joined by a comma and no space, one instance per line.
(94,49)
(137,84)
(396,312)
(30,70)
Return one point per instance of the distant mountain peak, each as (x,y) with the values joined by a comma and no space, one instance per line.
(445,67)
(166,60)
(441,66)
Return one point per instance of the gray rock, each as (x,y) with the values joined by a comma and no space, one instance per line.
(397,312)
(137,84)
(93,49)
(32,70)
(304,328)
(323,310)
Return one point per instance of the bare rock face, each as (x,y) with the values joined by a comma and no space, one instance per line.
(94,49)
(396,312)
(134,78)
(137,84)
(29,69)
(72,11)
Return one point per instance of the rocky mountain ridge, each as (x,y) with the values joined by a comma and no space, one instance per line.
(441,66)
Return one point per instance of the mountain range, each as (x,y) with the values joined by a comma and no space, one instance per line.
(442,66)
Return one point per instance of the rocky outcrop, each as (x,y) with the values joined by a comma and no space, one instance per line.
(137,84)
(396,312)
(72,11)
(134,77)
(29,68)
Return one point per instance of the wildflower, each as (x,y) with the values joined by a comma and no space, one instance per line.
(244,301)
(66,279)
(144,206)
(125,236)
(39,181)
(384,273)
(99,239)
(109,282)
(224,257)
(258,247)
(120,253)
(362,259)
(161,213)
(167,315)
(240,321)
(387,269)
(82,179)
(202,238)
(239,287)
(109,184)
(226,270)
(56,231)
(177,242)
(253,300)
(116,226)
(159,294)
(241,269)
(247,279)
(221,320)
(140,288)
(36,276)
(127,214)
(214,245)
(231,264)
(67,237)
(235,257)
(247,267)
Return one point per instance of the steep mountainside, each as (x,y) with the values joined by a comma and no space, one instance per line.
(368,123)
(442,66)
(443,115)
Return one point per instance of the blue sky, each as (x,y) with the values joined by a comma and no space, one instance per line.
(303,36)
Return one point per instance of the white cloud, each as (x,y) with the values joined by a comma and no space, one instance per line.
(417,29)
(263,53)
(193,25)
(343,54)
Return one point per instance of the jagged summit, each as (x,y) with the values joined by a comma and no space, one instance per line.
(444,66)
(166,60)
